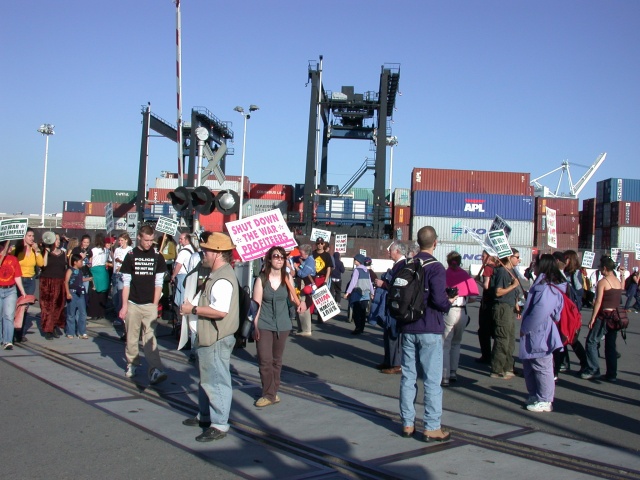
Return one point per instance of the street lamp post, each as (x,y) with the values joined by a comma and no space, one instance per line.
(392,142)
(247,116)
(45,129)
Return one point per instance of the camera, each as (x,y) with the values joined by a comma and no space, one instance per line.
(452,292)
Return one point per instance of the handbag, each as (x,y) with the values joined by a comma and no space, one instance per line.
(616,319)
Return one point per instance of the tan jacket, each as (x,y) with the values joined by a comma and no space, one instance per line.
(210,331)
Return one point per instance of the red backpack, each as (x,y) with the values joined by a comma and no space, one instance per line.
(570,319)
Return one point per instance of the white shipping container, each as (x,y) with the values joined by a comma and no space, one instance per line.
(95,223)
(254,206)
(171,183)
(625,238)
(402,197)
(472,254)
(451,229)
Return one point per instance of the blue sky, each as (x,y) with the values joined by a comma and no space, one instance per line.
(486,85)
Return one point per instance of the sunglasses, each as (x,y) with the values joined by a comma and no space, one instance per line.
(277,256)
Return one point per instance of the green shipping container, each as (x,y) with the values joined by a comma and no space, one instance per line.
(366,194)
(114,196)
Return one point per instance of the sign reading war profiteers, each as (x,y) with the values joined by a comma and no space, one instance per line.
(13,229)
(325,303)
(254,236)
(167,225)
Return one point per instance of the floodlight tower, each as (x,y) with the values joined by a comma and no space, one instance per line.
(247,116)
(45,129)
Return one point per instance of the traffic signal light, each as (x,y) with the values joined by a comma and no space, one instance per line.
(202,200)
(180,199)
(228,202)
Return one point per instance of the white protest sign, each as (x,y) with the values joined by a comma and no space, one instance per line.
(341,244)
(552,232)
(587,259)
(325,303)
(167,225)
(13,229)
(500,224)
(254,236)
(108,216)
(637,251)
(500,243)
(363,252)
(479,239)
(317,233)
(615,254)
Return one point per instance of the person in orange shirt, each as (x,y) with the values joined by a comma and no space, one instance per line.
(10,278)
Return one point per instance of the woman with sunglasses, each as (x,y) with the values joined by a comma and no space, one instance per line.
(273,291)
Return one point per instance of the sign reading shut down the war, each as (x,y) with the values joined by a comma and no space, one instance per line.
(254,236)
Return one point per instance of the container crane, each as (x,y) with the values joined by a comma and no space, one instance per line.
(574,189)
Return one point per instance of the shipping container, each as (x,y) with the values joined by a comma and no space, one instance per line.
(73,219)
(562,206)
(254,206)
(232,182)
(159,195)
(401,233)
(565,242)
(480,181)
(454,229)
(215,222)
(472,254)
(619,190)
(585,242)
(271,191)
(625,238)
(472,205)
(564,223)
(366,194)
(95,222)
(298,191)
(401,215)
(625,214)
(76,207)
(114,196)
(589,205)
(153,211)
(402,197)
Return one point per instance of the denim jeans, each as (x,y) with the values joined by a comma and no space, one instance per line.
(215,391)
(593,339)
(178,298)
(8,299)
(424,349)
(116,292)
(29,285)
(76,315)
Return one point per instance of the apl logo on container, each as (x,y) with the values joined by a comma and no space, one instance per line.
(474,205)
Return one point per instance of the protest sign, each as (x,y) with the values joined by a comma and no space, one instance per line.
(500,243)
(587,259)
(552,232)
(480,240)
(254,236)
(363,252)
(500,224)
(316,233)
(325,303)
(108,216)
(637,251)
(13,228)
(341,244)
(167,225)
(615,254)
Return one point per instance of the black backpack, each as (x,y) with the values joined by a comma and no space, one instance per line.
(405,300)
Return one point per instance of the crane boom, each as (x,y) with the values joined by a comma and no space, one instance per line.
(574,189)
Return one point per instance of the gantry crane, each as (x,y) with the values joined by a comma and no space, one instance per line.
(574,189)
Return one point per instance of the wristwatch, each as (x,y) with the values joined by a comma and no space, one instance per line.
(193,310)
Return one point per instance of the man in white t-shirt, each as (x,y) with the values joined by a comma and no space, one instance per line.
(180,267)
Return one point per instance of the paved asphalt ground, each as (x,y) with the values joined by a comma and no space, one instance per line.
(50,432)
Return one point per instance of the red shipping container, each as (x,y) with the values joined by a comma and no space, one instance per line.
(271,191)
(562,206)
(159,195)
(401,216)
(625,214)
(564,223)
(215,222)
(565,242)
(470,181)
(73,220)
(94,209)
(401,233)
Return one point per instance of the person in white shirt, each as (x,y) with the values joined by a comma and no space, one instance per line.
(124,247)
(180,267)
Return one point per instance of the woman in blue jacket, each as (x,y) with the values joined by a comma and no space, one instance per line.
(539,336)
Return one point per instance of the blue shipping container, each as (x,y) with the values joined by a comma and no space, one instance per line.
(619,190)
(73,207)
(472,205)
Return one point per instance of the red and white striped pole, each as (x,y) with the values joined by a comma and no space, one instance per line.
(179,91)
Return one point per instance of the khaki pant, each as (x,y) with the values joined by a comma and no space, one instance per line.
(145,318)
(504,334)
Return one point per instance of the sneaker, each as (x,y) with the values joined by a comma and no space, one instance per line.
(196,422)
(540,407)
(211,434)
(495,375)
(157,376)
(304,334)
(508,375)
(589,375)
(532,400)
(131,370)
(8,346)
(444,382)
(83,337)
